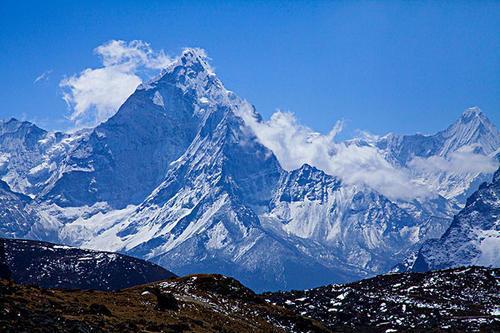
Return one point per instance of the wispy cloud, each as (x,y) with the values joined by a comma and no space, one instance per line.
(295,144)
(95,94)
(462,161)
(43,77)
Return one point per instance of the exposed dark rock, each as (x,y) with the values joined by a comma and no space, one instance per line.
(99,309)
(164,300)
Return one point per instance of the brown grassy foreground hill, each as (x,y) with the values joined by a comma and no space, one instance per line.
(200,303)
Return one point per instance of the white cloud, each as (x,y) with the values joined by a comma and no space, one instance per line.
(462,161)
(43,77)
(134,53)
(95,94)
(295,144)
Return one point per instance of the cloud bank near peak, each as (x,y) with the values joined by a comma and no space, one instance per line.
(463,161)
(363,165)
(95,94)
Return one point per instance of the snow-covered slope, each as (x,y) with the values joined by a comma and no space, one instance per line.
(17,219)
(357,225)
(473,238)
(23,146)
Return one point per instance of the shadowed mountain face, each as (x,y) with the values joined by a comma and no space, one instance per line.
(54,266)
(23,146)
(178,177)
(17,219)
(473,237)
(122,160)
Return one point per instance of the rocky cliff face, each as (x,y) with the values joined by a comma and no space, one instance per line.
(17,217)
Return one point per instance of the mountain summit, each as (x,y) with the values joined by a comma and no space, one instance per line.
(472,128)
(122,160)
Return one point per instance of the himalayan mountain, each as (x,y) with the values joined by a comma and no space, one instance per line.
(178,177)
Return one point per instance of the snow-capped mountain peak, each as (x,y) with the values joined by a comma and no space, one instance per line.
(472,113)
(472,128)
(191,63)
(196,59)
(193,75)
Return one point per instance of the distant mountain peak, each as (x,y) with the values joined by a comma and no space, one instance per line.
(473,111)
(15,123)
(308,167)
(473,127)
(474,116)
(11,120)
(190,61)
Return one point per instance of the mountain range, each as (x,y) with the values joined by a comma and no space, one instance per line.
(179,177)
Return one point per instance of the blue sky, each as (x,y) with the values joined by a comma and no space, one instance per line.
(389,66)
